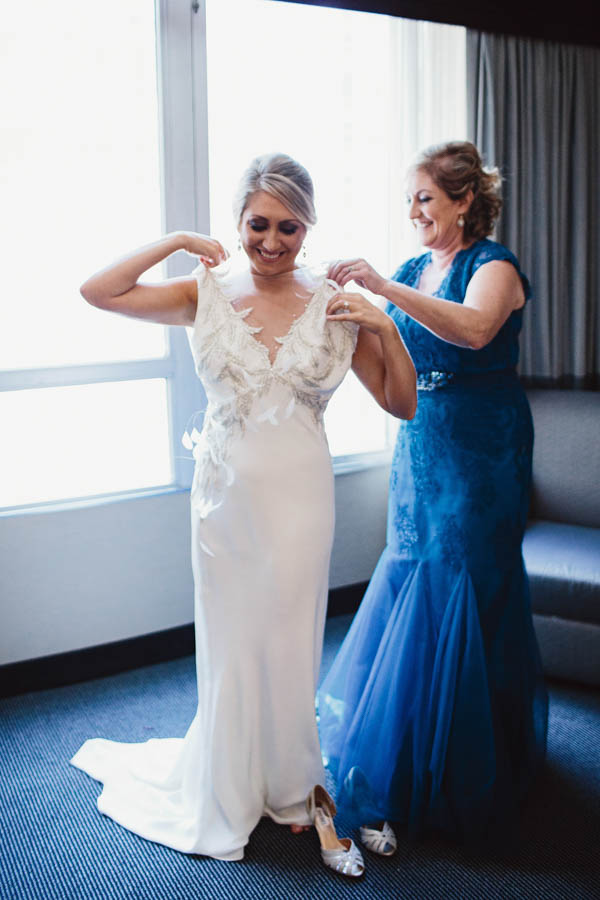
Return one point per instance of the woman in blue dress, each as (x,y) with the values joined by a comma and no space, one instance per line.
(434,713)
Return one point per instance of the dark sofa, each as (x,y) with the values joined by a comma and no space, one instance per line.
(562,541)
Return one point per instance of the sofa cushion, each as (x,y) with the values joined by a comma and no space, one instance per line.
(569,649)
(566,456)
(563,564)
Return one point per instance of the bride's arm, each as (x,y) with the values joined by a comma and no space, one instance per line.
(171,302)
(380,361)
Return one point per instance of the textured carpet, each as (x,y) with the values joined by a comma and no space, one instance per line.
(54,844)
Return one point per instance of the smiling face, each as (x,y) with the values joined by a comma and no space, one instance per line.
(271,235)
(433,213)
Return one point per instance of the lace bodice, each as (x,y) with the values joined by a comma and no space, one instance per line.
(245,390)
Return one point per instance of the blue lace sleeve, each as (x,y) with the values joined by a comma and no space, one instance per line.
(489,251)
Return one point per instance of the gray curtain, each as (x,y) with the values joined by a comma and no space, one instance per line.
(534,111)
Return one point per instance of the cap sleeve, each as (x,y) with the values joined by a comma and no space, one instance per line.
(349,329)
(492,252)
(203,325)
(202,275)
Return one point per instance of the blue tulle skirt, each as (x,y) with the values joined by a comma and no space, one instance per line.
(434,713)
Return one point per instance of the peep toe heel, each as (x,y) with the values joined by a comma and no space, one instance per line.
(339,854)
(379,840)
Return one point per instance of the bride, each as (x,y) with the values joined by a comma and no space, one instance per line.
(270,345)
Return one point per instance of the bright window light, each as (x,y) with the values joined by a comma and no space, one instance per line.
(352,96)
(83,440)
(79,174)
(80,184)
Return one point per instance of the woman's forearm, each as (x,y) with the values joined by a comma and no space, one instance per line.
(493,292)
(452,322)
(399,376)
(122,275)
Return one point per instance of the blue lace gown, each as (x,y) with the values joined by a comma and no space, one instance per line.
(434,713)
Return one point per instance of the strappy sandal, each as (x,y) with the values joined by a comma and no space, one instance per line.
(379,840)
(339,854)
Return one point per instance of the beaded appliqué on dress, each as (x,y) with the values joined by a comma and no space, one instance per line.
(406,530)
(239,377)
(431,381)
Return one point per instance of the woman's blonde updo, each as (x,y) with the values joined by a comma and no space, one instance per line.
(455,167)
(283,178)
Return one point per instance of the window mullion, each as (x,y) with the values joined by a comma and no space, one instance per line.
(181,51)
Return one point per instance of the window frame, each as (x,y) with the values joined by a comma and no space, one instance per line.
(183,89)
(182,150)
(183,111)
(182,94)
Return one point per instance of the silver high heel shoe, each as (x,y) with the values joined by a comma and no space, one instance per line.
(339,854)
(379,840)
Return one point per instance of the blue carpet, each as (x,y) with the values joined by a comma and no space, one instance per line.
(56,846)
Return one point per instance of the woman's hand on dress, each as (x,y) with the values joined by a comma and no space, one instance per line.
(358,270)
(356,308)
(208,250)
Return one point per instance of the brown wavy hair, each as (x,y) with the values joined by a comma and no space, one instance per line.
(456,167)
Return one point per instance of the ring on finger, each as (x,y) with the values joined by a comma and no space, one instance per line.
(346,304)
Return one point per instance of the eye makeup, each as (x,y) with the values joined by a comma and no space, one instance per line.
(259,224)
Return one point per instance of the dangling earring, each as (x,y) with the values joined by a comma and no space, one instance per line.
(303,251)
(239,245)
(461,221)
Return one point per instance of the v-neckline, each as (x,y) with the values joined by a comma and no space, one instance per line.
(252,330)
(427,259)
(426,262)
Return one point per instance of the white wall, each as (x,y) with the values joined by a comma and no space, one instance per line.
(75,578)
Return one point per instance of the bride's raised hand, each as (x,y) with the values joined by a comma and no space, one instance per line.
(358,270)
(209,251)
(356,308)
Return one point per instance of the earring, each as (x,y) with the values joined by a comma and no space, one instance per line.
(239,245)
(303,251)
(461,221)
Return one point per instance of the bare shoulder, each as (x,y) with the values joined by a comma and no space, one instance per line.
(237,284)
(498,278)
(308,279)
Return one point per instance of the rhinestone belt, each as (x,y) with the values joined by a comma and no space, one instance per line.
(430,381)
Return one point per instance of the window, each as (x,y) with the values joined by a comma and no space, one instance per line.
(83,391)
(353,96)
(123,127)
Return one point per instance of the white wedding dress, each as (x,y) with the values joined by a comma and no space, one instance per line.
(262,526)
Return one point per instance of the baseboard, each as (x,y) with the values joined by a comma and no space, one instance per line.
(344,600)
(61,669)
(95,662)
